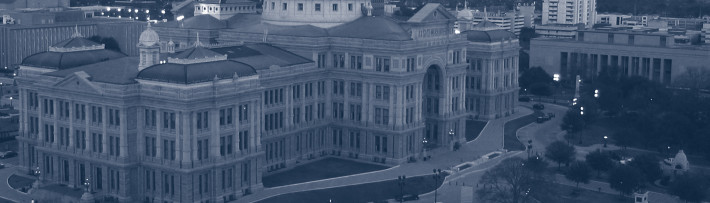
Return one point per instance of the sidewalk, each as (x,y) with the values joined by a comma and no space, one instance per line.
(490,139)
(8,192)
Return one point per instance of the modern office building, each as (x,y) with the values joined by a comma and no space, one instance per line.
(210,106)
(512,20)
(646,53)
(569,12)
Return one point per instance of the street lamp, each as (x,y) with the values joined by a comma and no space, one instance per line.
(596,93)
(401,182)
(529,147)
(451,138)
(437,177)
(669,151)
(86,185)
(11,103)
(36,185)
(605,137)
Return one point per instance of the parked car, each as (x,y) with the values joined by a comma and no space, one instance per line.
(407,198)
(542,119)
(551,115)
(8,154)
(524,99)
(538,106)
(2,166)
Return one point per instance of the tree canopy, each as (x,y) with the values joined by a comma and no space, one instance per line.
(689,187)
(534,75)
(625,179)
(579,172)
(599,161)
(648,165)
(560,153)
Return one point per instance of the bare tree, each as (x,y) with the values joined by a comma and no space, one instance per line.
(694,78)
(510,182)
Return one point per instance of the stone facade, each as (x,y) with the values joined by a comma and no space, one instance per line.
(365,98)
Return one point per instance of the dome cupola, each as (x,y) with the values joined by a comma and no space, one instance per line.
(148,37)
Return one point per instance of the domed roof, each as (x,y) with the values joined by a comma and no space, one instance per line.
(148,37)
(367,27)
(489,36)
(681,159)
(465,14)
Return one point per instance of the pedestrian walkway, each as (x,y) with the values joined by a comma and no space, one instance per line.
(8,192)
(490,139)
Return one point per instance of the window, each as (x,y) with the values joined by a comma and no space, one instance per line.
(203,149)
(338,87)
(409,92)
(284,6)
(456,57)
(350,7)
(97,144)
(273,5)
(356,112)
(202,120)
(356,89)
(338,110)
(663,41)
(382,64)
(382,116)
(356,62)
(377,144)
(96,115)
(454,104)
(300,6)
(338,58)
(409,115)
(243,113)
(113,117)
(411,64)
(225,116)
(150,118)
(631,39)
(169,149)
(296,91)
(382,92)
(317,7)
(321,87)
(225,145)
(308,89)
(243,140)
(610,38)
(335,7)
(169,120)
(80,139)
(274,96)
(321,56)
(273,121)
(150,148)
(49,133)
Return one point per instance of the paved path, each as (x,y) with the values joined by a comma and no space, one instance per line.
(490,139)
(6,191)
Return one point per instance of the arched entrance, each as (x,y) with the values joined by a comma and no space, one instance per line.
(432,93)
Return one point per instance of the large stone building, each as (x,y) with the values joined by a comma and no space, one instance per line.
(210,106)
(653,55)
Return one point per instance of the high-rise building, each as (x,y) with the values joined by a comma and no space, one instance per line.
(569,12)
(207,122)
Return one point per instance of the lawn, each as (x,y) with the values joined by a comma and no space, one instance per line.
(369,192)
(318,170)
(17,182)
(595,132)
(474,128)
(563,194)
(511,142)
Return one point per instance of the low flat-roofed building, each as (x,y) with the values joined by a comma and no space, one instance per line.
(646,53)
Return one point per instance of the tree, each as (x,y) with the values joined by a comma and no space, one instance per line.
(648,165)
(560,152)
(625,179)
(510,182)
(572,122)
(579,172)
(541,89)
(599,161)
(694,78)
(689,187)
(109,42)
(534,75)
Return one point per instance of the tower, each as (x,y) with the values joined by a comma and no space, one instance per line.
(149,48)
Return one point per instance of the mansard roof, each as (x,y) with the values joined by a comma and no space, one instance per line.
(118,71)
(371,27)
(75,42)
(489,36)
(66,60)
(195,73)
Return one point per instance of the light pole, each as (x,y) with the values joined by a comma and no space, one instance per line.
(87,189)
(11,107)
(37,174)
(437,177)
(669,151)
(529,148)
(401,182)
(451,138)
(605,137)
